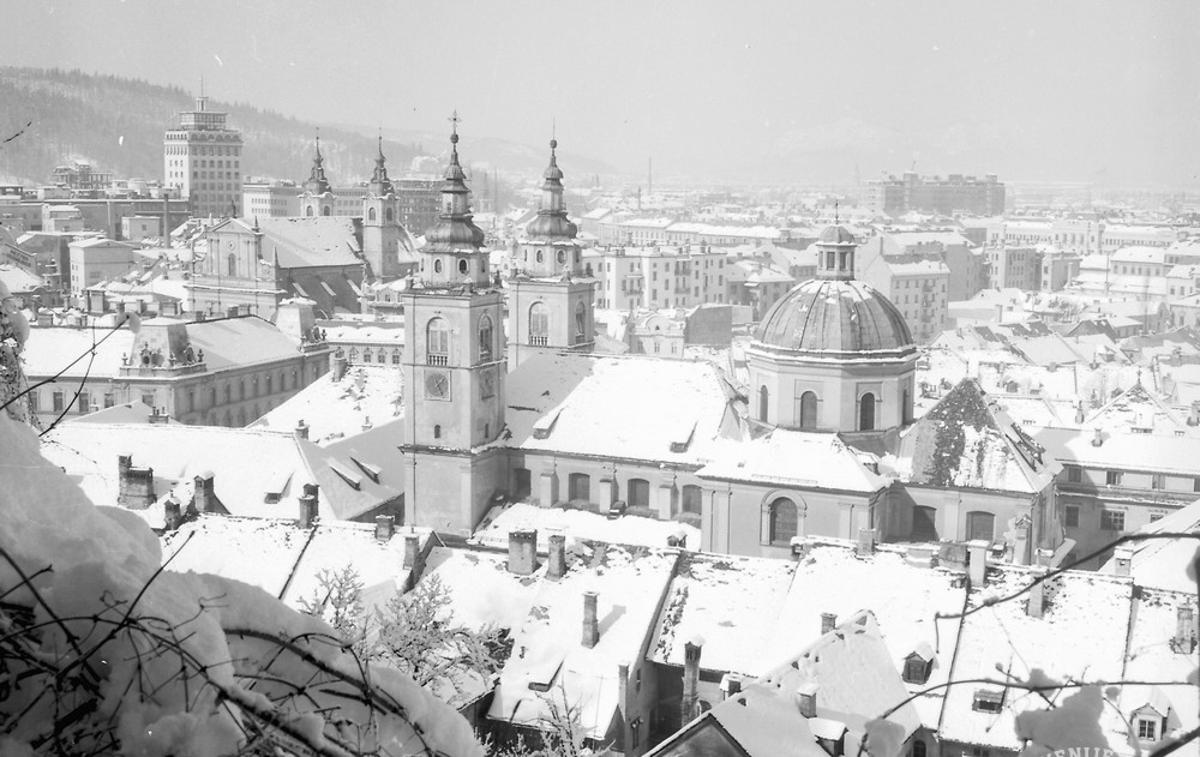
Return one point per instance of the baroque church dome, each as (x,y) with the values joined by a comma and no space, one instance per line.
(831,318)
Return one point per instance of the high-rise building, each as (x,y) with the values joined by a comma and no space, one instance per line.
(202,161)
(945,196)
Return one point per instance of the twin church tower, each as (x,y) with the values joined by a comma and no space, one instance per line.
(455,354)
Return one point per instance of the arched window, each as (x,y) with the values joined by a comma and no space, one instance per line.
(437,341)
(918,746)
(231,265)
(437,266)
(866,412)
(580,322)
(691,499)
(980,525)
(308,210)
(808,411)
(763,399)
(485,338)
(539,324)
(389,215)
(437,432)
(268,386)
(562,256)
(638,493)
(462,266)
(325,210)
(540,256)
(906,406)
(579,487)
(367,355)
(784,523)
(370,214)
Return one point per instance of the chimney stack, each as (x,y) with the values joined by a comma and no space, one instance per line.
(828,622)
(556,566)
(591,625)
(1080,416)
(689,705)
(1194,415)
(522,551)
(1184,641)
(135,486)
(1123,561)
(412,550)
(309,502)
(1035,603)
(301,429)
(384,527)
(977,561)
(731,685)
(806,699)
(204,496)
(337,367)
(866,542)
(171,515)
(1097,437)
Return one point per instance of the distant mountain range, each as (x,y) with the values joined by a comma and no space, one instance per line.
(117,125)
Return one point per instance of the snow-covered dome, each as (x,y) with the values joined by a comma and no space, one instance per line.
(835,318)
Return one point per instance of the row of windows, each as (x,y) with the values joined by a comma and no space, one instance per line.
(203,150)
(1110,520)
(380,355)
(1116,477)
(807,409)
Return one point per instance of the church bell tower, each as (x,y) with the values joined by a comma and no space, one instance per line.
(383,236)
(317,198)
(551,305)
(454,369)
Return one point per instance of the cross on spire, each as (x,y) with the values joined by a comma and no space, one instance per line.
(454,119)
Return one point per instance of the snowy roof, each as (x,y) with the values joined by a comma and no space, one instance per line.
(19,280)
(1138,407)
(577,525)
(918,267)
(482,591)
(905,598)
(338,409)
(1163,563)
(966,441)
(1151,657)
(1158,453)
(302,242)
(919,238)
(634,407)
(255,472)
(1081,636)
(1139,254)
(792,458)
(130,412)
(50,348)
(850,671)
(731,602)
(547,649)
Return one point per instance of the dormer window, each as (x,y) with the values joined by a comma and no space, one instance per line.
(1147,729)
(918,664)
(988,700)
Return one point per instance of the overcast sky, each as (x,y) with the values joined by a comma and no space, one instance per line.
(1086,91)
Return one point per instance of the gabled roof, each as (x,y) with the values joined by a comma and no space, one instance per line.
(639,407)
(303,242)
(1163,563)
(965,441)
(792,458)
(335,410)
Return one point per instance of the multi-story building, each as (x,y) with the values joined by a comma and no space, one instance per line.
(917,286)
(1014,267)
(81,177)
(657,278)
(97,259)
(225,371)
(1059,267)
(954,194)
(271,199)
(202,160)
(964,260)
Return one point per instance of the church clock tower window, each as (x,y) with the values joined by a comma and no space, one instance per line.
(437,342)
(539,324)
(485,339)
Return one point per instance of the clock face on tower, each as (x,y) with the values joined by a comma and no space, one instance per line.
(437,385)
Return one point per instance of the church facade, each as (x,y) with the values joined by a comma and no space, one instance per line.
(812,447)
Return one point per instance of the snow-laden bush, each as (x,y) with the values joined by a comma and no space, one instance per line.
(102,653)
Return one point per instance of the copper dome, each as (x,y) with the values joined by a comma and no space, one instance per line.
(832,318)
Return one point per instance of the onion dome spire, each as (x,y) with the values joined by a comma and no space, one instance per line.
(551,221)
(317,183)
(454,229)
(381,183)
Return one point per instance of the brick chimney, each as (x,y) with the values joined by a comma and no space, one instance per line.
(1097,437)
(412,551)
(556,565)
(522,551)
(171,515)
(309,506)
(384,527)
(135,488)
(158,415)
(977,556)
(204,496)
(806,699)
(337,367)
(689,705)
(731,685)
(1035,602)
(591,625)
(301,429)
(866,542)
(1184,640)
(828,622)
(1123,561)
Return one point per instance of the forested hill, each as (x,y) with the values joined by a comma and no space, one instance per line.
(117,125)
